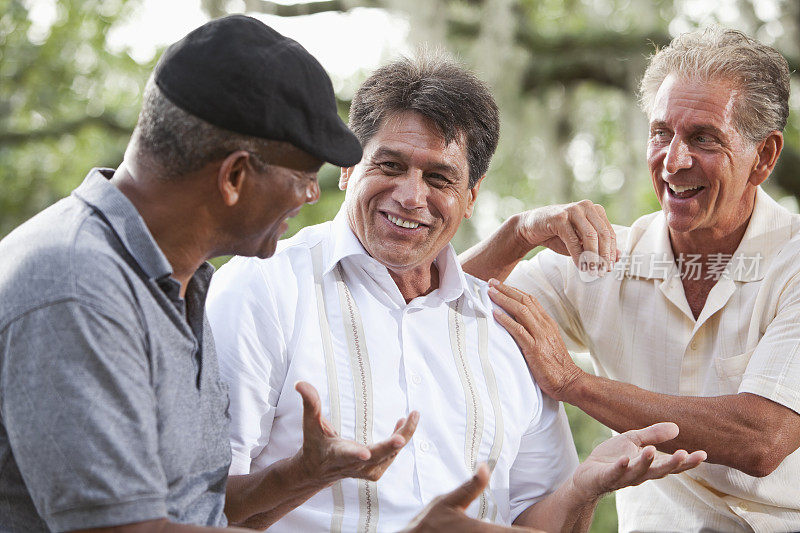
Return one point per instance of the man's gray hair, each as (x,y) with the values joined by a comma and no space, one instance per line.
(180,143)
(759,72)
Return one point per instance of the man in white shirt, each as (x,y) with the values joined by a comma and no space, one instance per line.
(373,310)
(698,322)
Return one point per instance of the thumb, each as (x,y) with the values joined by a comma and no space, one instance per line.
(312,408)
(463,495)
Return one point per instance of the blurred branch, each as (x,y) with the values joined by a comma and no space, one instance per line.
(106,122)
(296,10)
(217,8)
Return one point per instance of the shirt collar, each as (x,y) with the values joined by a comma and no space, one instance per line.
(452,280)
(649,251)
(98,192)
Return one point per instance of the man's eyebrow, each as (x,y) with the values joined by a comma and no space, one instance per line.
(710,128)
(707,127)
(433,167)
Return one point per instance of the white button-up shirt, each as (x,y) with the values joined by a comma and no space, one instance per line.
(441,354)
(638,327)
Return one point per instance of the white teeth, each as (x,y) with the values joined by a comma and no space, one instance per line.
(679,189)
(402,223)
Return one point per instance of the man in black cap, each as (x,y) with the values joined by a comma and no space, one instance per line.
(112,412)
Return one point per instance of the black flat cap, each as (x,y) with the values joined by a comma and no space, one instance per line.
(239,74)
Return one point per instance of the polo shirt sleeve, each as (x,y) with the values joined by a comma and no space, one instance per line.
(77,403)
(773,369)
(545,278)
(546,457)
(251,352)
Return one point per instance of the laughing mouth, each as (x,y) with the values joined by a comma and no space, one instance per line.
(397,221)
(684,191)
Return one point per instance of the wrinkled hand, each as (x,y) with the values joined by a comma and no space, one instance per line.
(328,457)
(580,230)
(538,339)
(445,514)
(630,459)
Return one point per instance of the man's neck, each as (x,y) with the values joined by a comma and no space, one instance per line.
(171,218)
(708,241)
(417,281)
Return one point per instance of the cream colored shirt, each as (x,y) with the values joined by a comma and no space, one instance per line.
(638,327)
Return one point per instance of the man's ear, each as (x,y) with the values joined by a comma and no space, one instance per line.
(232,175)
(473,195)
(344,177)
(767,151)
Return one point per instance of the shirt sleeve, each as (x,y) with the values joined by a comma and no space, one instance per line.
(545,278)
(78,407)
(773,370)
(252,355)
(546,457)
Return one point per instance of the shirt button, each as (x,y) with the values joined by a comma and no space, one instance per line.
(416,379)
(743,507)
(693,345)
(424,446)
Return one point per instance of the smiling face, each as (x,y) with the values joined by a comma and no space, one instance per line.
(409,193)
(272,195)
(702,168)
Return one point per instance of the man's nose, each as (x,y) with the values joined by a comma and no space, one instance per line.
(312,192)
(678,156)
(411,190)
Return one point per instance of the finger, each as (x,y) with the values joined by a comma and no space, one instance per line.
(402,434)
(655,434)
(517,331)
(571,241)
(639,465)
(407,429)
(348,451)
(666,464)
(526,306)
(611,235)
(312,407)
(463,495)
(586,231)
(605,243)
(514,301)
(687,461)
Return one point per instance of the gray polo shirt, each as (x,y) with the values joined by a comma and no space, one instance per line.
(111,406)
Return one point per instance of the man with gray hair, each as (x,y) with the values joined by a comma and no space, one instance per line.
(699,322)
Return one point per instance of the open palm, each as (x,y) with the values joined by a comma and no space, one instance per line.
(631,458)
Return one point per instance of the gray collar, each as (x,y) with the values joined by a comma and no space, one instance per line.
(98,192)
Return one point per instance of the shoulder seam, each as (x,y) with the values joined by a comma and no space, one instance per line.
(80,301)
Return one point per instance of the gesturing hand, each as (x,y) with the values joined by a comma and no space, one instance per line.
(328,457)
(445,514)
(630,459)
(580,230)
(538,339)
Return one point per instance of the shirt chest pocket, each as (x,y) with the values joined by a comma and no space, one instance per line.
(730,371)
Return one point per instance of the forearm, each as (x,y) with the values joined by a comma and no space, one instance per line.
(496,256)
(160,526)
(564,510)
(259,500)
(735,430)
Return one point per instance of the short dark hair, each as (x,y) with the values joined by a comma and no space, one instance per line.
(180,143)
(451,97)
